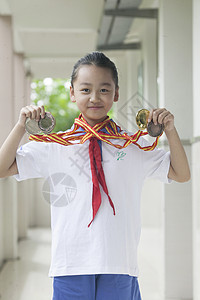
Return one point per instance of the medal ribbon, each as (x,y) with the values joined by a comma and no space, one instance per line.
(82,132)
(104,131)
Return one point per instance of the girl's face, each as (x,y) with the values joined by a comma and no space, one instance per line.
(94,92)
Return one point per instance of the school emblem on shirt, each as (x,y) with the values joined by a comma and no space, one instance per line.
(120,155)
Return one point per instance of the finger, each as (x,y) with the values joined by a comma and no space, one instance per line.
(156,113)
(25,112)
(33,110)
(42,111)
(37,110)
(150,116)
(155,116)
(168,119)
(162,116)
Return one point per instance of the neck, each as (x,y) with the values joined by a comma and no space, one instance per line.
(92,123)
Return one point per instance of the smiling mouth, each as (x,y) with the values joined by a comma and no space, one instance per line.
(95,107)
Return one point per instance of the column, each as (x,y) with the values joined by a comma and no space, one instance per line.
(176,93)
(6,77)
(133,59)
(20,101)
(8,223)
(30,184)
(120,60)
(10,218)
(196,148)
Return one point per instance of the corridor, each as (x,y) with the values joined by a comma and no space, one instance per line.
(27,277)
(155,45)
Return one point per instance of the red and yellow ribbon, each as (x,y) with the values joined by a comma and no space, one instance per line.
(78,136)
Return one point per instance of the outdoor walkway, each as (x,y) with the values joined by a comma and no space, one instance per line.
(27,278)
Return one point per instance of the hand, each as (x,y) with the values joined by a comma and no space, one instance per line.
(33,112)
(162,116)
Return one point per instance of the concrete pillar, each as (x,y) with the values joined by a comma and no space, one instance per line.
(120,60)
(132,58)
(175,72)
(30,184)
(149,57)
(196,219)
(1,224)
(20,101)
(19,85)
(8,225)
(132,62)
(6,77)
(196,148)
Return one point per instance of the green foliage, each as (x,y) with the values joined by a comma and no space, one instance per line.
(54,95)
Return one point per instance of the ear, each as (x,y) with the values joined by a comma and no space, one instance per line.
(72,96)
(116,94)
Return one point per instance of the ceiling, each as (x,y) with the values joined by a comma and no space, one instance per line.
(53,34)
(114,29)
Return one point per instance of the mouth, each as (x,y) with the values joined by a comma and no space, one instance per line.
(95,107)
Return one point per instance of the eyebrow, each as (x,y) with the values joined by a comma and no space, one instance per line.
(102,84)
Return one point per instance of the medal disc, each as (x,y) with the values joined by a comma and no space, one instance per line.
(154,130)
(142,118)
(47,124)
(32,127)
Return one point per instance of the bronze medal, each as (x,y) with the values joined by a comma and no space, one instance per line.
(142,122)
(154,130)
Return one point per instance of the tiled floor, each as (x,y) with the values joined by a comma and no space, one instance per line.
(27,278)
(151,264)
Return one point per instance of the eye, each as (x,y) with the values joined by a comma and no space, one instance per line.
(85,90)
(104,91)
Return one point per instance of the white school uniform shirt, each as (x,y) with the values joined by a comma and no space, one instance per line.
(109,245)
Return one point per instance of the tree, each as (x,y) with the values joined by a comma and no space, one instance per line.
(54,95)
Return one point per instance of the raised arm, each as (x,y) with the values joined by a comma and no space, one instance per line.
(8,166)
(179,168)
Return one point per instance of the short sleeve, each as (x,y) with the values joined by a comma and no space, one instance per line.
(156,163)
(32,160)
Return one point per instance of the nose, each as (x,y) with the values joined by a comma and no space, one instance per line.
(95,97)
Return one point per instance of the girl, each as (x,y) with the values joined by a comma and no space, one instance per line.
(95,236)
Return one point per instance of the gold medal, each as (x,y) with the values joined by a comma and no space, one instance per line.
(142,122)
(142,118)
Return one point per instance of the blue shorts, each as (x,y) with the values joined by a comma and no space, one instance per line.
(96,287)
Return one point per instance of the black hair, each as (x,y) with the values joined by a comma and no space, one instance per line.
(98,59)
